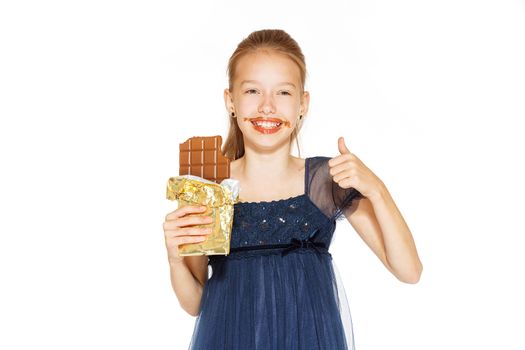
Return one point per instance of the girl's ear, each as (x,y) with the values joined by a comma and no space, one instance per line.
(228,100)
(305,103)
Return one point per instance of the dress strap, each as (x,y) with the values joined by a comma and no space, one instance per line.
(306,176)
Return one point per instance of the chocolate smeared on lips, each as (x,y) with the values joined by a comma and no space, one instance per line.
(271,120)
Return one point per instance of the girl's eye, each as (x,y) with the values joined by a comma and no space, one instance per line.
(250,91)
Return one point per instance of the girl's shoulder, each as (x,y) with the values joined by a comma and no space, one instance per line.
(317,175)
(316,162)
(319,158)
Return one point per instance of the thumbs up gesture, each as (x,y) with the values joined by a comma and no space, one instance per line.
(349,171)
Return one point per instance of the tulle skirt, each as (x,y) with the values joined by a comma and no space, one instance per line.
(267,301)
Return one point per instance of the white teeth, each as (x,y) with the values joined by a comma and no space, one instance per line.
(267,125)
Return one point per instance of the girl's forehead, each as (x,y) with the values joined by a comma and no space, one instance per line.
(264,58)
(266,66)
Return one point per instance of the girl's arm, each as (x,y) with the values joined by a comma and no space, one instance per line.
(376,217)
(187,287)
(380,224)
(188,273)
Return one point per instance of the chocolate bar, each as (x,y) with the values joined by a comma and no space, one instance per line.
(202,156)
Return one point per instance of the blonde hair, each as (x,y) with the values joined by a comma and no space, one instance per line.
(269,40)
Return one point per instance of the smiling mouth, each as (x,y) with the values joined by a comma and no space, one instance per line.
(268,123)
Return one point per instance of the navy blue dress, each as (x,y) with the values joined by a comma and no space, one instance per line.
(278,289)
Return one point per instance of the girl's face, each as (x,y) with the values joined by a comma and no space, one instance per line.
(266,98)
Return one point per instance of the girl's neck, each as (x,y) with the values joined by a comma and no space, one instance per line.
(265,166)
(262,179)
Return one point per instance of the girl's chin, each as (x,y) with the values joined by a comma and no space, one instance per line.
(267,145)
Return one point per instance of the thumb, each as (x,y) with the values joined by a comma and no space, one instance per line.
(342,147)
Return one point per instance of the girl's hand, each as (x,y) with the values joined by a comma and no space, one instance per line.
(349,171)
(179,229)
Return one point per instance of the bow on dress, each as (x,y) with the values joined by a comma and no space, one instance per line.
(295,243)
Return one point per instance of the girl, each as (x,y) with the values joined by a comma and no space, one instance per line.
(278,289)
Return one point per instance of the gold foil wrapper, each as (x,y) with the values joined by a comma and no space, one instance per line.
(219,200)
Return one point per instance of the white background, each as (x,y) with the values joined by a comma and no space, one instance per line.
(96,96)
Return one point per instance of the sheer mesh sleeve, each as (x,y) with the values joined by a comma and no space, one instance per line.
(335,202)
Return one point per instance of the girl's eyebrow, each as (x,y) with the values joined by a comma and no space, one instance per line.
(256,82)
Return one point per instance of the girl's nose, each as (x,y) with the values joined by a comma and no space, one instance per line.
(267,109)
(267,106)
